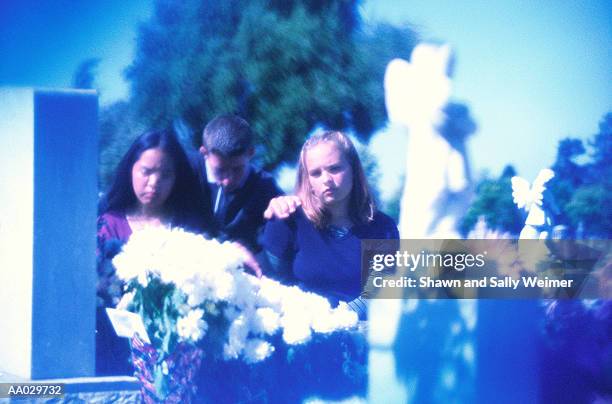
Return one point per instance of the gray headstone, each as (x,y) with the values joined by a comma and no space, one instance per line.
(48,180)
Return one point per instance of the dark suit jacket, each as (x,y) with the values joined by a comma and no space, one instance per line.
(242,215)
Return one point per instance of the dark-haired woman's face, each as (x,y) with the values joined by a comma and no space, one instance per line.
(153,177)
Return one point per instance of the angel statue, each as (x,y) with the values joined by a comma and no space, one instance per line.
(437,175)
(538,202)
(436,187)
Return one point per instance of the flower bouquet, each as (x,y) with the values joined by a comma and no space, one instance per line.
(196,302)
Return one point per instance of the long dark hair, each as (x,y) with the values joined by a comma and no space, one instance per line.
(185,202)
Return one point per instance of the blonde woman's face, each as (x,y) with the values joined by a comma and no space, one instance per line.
(329,173)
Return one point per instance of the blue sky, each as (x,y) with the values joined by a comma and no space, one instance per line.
(43,42)
(531,72)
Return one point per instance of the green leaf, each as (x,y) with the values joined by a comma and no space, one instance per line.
(285,66)
(161,382)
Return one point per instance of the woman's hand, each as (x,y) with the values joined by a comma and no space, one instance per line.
(282,207)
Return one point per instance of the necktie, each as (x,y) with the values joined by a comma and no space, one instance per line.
(219,205)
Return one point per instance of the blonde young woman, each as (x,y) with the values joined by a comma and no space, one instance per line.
(318,245)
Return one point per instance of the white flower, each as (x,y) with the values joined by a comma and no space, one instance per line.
(139,256)
(191,327)
(195,289)
(270,292)
(324,324)
(164,367)
(222,286)
(245,291)
(205,272)
(183,309)
(143,279)
(128,265)
(257,350)
(295,330)
(265,321)
(237,336)
(343,317)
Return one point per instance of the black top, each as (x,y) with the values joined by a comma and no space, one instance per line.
(326,261)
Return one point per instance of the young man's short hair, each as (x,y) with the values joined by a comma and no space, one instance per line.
(227,136)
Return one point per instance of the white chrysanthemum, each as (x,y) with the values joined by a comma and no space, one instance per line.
(140,255)
(246,288)
(183,309)
(257,350)
(128,265)
(195,290)
(206,270)
(222,286)
(176,255)
(237,336)
(265,321)
(270,293)
(191,327)
(324,324)
(221,256)
(143,279)
(345,316)
(340,318)
(295,330)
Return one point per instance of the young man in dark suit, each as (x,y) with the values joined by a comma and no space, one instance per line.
(236,194)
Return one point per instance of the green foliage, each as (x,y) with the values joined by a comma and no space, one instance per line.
(286,66)
(602,150)
(584,191)
(84,76)
(375,47)
(591,206)
(494,203)
(117,127)
(117,131)
(568,174)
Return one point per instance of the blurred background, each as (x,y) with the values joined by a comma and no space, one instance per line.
(530,82)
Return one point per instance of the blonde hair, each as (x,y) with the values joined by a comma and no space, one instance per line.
(361,203)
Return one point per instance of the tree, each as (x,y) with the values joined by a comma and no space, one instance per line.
(601,157)
(117,125)
(286,66)
(375,47)
(118,128)
(583,192)
(569,175)
(85,74)
(590,204)
(494,203)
